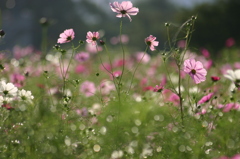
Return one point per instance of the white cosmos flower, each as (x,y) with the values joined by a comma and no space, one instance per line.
(5,100)
(234,76)
(8,89)
(25,95)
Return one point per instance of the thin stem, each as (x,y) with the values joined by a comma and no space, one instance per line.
(180,93)
(137,68)
(123,58)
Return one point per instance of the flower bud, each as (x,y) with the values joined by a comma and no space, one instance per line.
(2,33)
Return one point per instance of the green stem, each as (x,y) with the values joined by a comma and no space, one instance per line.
(136,69)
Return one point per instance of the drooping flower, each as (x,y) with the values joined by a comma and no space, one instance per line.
(158,88)
(205,98)
(195,70)
(150,41)
(124,9)
(215,78)
(66,36)
(92,37)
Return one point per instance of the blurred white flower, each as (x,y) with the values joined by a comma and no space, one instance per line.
(8,89)
(117,154)
(234,76)
(25,95)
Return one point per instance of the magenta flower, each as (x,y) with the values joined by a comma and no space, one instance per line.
(66,36)
(205,98)
(124,9)
(150,41)
(158,88)
(195,70)
(215,78)
(92,37)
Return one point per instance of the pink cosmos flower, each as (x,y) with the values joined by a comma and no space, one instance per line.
(205,53)
(205,98)
(229,42)
(142,57)
(88,88)
(92,37)
(82,56)
(17,79)
(66,36)
(195,70)
(150,41)
(124,9)
(215,78)
(158,88)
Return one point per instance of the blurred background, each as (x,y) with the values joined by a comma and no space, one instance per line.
(34,22)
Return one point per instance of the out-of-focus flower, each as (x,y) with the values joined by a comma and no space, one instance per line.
(150,41)
(230,106)
(66,36)
(181,43)
(81,69)
(117,154)
(229,42)
(234,76)
(88,88)
(17,79)
(82,56)
(93,49)
(8,89)
(117,74)
(106,87)
(5,100)
(124,9)
(92,37)
(116,40)
(25,95)
(158,88)
(19,52)
(195,70)
(205,53)
(215,78)
(142,57)
(205,98)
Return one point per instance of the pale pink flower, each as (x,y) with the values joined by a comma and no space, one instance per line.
(17,79)
(195,70)
(142,57)
(82,56)
(124,9)
(106,87)
(92,37)
(150,41)
(88,88)
(115,40)
(93,49)
(66,36)
(19,52)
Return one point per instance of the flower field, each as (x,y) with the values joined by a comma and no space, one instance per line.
(97,101)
